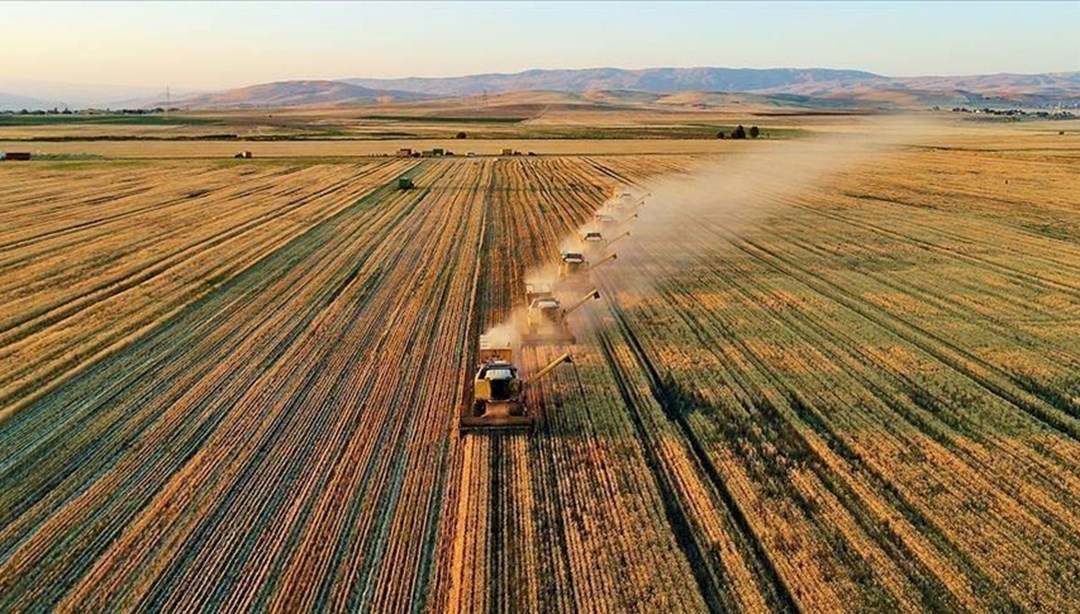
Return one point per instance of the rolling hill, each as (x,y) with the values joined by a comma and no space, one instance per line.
(14,102)
(824,84)
(658,80)
(294,94)
(812,87)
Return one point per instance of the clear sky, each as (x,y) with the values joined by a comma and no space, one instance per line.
(219,45)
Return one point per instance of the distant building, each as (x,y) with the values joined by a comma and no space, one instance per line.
(404,152)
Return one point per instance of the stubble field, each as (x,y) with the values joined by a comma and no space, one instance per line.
(236,385)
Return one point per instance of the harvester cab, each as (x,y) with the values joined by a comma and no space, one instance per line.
(534,291)
(498,390)
(405,183)
(573,268)
(627,202)
(545,321)
(605,220)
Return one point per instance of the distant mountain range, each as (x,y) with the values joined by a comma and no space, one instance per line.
(656,80)
(15,102)
(1047,88)
(295,93)
(827,85)
(823,86)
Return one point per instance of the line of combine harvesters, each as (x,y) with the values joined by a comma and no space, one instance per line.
(499,389)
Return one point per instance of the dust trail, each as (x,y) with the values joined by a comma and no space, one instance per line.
(732,193)
(741,190)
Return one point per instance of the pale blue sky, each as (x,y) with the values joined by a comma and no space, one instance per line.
(216,45)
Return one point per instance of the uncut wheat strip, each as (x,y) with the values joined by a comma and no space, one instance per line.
(824,454)
(74,263)
(231,233)
(811,533)
(973,279)
(964,247)
(980,490)
(1042,186)
(49,203)
(256,254)
(817,341)
(155,221)
(980,464)
(449,588)
(74,216)
(985,282)
(956,354)
(1025,253)
(947,351)
(206,235)
(433,398)
(711,517)
(596,508)
(660,423)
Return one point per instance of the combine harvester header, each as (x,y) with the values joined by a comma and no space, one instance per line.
(498,402)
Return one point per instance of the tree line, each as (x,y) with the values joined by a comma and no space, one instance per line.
(739,132)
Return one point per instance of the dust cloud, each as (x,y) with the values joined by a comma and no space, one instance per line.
(741,189)
(728,193)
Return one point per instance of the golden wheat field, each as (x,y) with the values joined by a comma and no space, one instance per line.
(845,381)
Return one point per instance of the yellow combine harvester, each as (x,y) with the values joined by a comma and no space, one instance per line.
(574,269)
(499,390)
(625,202)
(545,320)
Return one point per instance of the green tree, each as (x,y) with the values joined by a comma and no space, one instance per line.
(739,132)
(754,132)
